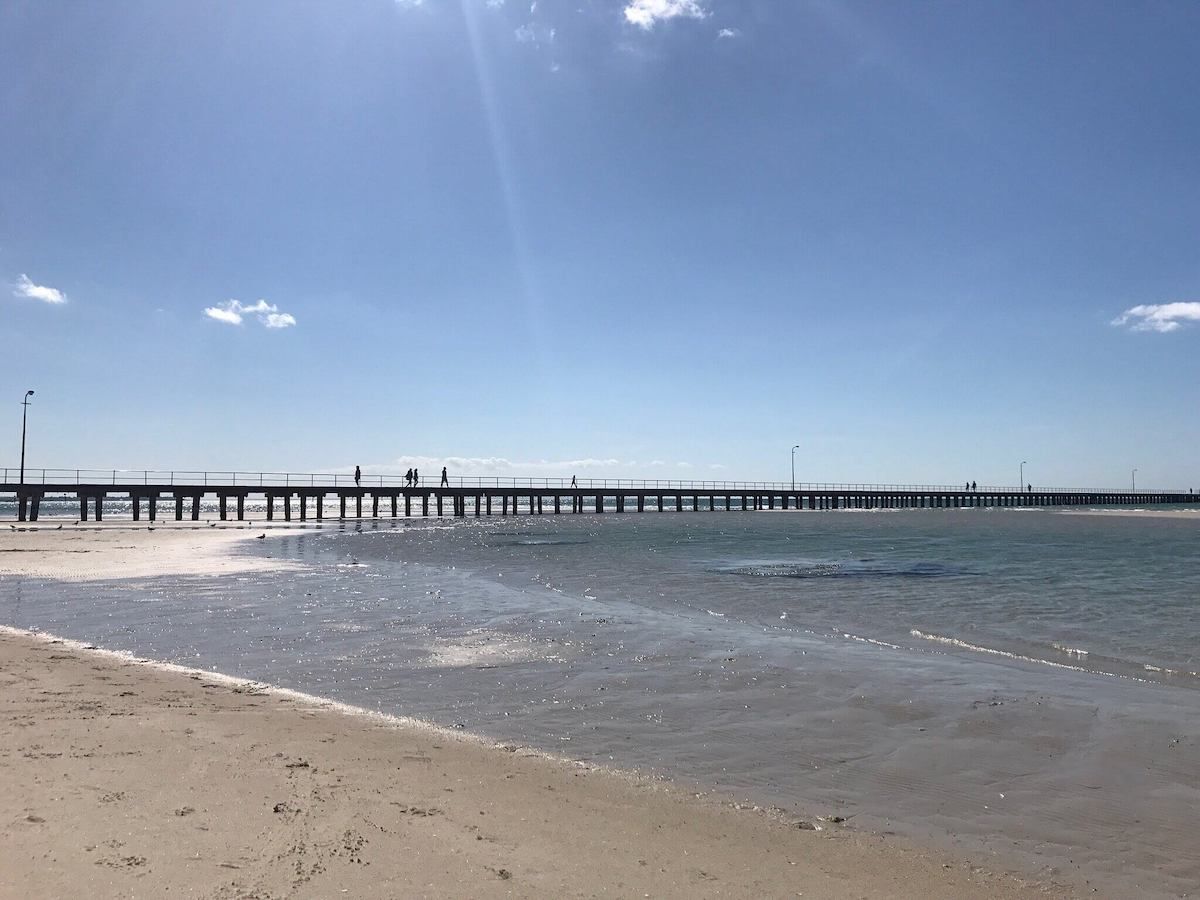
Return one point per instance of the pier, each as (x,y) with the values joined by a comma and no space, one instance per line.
(300,497)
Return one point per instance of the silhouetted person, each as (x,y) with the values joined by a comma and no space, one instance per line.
(967,486)
(408,477)
(573,484)
(357,475)
(973,488)
(1029,488)
(445,479)
(416,477)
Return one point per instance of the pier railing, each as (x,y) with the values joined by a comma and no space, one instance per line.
(40,476)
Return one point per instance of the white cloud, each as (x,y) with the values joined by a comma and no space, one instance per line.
(495,4)
(728,33)
(1162,317)
(26,288)
(645,13)
(537,35)
(232,312)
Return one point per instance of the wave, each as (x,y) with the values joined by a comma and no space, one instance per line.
(864,568)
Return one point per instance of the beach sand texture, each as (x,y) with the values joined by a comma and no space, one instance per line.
(123,778)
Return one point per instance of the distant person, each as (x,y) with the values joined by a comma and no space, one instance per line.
(973,488)
(573,484)
(416,477)
(1029,488)
(445,478)
(967,486)
(357,475)
(408,477)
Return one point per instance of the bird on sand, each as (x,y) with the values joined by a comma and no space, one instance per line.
(262,537)
(59,528)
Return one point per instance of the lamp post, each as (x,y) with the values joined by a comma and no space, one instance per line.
(24,416)
(1133,480)
(794,449)
(1021,483)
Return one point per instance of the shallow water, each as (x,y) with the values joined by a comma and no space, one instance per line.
(1020,684)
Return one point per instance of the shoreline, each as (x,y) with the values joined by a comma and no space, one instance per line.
(271,792)
(79,723)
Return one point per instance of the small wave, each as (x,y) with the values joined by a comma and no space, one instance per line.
(717,614)
(866,568)
(1070,651)
(544,542)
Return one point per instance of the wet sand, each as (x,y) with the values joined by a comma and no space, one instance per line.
(1136,513)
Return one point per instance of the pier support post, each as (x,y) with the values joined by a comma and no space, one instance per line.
(270,507)
(241,507)
(153,507)
(179,507)
(222,506)
(22,507)
(556,509)
(439,504)
(489,504)
(374,506)
(304,507)
(424,504)
(82,508)
(479,502)
(407,505)
(358,505)
(539,504)
(504,507)
(660,503)
(135,505)
(395,504)
(320,507)
(99,507)
(641,502)
(35,504)
(195,507)
(342,505)
(287,507)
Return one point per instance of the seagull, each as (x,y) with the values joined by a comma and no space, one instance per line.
(59,528)
(212,524)
(262,537)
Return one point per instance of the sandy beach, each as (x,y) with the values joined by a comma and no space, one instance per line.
(125,778)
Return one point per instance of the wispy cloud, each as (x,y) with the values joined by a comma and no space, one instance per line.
(232,312)
(26,288)
(728,33)
(1162,317)
(533,33)
(645,13)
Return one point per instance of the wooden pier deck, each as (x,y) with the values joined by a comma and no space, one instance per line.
(389,496)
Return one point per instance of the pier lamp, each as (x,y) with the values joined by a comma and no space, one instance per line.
(24,416)
(794,449)
(1021,483)
(1133,480)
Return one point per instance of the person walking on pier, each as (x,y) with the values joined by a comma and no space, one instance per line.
(408,477)
(416,478)
(973,487)
(573,484)
(445,479)
(357,475)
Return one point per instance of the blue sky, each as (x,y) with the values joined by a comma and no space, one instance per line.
(653,238)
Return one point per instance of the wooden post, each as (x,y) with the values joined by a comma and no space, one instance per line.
(178,507)
(374,506)
(395,504)
(478,502)
(287,507)
(489,504)
(270,507)
(136,506)
(222,506)
(153,507)
(241,507)
(504,509)
(195,507)
(358,505)
(556,509)
(99,507)
(407,505)
(35,503)
(424,504)
(304,507)
(342,509)
(22,507)
(439,503)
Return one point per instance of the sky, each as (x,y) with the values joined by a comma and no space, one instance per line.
(924,241)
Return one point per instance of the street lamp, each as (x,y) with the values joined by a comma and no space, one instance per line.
(24,416)
(1021,484)
(794,449)
(1133,480)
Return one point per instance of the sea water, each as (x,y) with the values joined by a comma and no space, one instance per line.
(1019,684)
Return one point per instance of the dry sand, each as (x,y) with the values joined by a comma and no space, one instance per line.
(122,778)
